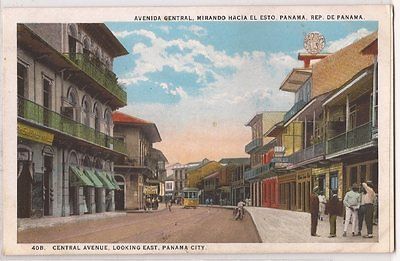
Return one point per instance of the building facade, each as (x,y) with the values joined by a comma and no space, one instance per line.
(66,94)
(329,137)
(180,175)
(143,169)
(255,148)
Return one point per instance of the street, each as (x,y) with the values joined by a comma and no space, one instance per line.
(200,225)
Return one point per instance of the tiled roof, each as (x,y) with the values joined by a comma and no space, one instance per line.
(124,118)
(335,70)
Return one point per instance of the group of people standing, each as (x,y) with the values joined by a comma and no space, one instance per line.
(358,204)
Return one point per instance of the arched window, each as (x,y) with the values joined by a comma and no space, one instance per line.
(86,47)
(86,111)
(86,161)
(108,120)
(73,158)
(72,96)
(70,109)
(98,164)
(97,115)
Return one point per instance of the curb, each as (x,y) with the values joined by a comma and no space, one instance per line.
(255,224)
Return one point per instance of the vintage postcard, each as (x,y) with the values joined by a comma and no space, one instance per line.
(191,130)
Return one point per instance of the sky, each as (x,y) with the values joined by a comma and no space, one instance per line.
(201,82)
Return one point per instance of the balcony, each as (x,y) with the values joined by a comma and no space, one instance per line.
(253,145)
(98,71)
(258,172)
(356,137)
(308,153)
(38,114)
(296,108)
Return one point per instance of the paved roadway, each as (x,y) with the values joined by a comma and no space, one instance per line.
(201,225)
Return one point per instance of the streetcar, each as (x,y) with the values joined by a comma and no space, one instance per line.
(190,197)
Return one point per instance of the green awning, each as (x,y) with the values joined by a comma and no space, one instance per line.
(103,178)
(79,178)
(113,181)
(93,177)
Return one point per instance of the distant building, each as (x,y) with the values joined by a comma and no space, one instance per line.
(180,172)
(140,171)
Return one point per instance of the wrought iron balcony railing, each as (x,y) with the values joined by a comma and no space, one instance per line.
(253,145)
(296,108)
(259,171)
(308,153)
(40,115)
(99,73)
(356,137)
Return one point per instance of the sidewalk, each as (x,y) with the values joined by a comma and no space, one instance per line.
(285,226)
(48,221)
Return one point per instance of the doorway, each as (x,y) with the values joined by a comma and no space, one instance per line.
(47,184)
(120,194)
(24,190)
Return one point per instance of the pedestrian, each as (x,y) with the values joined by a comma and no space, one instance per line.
(314,209)
(334,208)
(322,202)
(207,202)
(367,200)
(351,201)
(108,201)
(211,201)
(170,205)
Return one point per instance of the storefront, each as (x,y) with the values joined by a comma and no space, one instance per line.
(270,195)
(303,189)
(329,178)
(287,191)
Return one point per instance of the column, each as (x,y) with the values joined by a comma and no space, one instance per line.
(251,193)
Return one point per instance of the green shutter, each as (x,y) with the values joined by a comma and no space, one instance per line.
(103,178)
(79,178)
(93,177)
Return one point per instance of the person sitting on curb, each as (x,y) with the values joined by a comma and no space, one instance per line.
(334,208)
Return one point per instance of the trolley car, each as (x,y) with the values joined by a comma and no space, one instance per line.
(190,197)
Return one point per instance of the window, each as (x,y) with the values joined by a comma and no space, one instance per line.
(86,111)
(108,120)
(333,181)
(22,72)
(72,36)
(46,93)
(352,117)
(97,114)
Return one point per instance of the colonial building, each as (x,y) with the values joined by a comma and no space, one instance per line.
(140,171)
(259,124)
(240,189)
(66,94)
(329,136)
(180,175)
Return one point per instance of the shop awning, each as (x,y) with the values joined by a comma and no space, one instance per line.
(113,181)
(79,178)
(103,178)
(93,177)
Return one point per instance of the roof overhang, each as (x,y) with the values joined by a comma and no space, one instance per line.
(308,105)
(295,79)
(107,38)
(212,175)
(274,130)
(349,86)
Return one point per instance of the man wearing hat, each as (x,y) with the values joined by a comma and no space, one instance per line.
(314,209)
(352,201)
